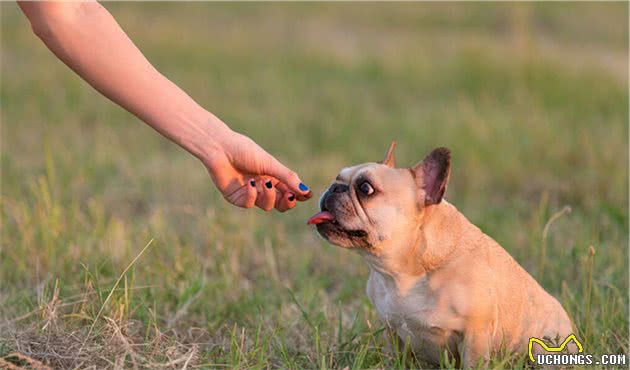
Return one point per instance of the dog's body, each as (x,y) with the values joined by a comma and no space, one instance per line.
(470,299)
(435,278)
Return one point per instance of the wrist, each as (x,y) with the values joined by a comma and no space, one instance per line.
(213,133)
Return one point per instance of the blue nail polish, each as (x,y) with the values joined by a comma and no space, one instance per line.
(268,184)
(303,187)
(252,183)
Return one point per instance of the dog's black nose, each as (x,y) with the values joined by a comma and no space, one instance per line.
(339,188)
(334,188)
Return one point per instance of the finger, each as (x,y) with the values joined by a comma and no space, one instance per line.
(283,188)
(245,196)
(266,198)
(285,201)
(291,179)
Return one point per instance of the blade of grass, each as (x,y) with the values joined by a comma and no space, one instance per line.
(111,292)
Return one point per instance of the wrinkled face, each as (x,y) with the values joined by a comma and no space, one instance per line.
(366,204)
(371,204)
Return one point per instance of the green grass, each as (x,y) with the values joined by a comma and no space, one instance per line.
(531,99)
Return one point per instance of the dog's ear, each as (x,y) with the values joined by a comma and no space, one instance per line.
(389,157)
(433,173)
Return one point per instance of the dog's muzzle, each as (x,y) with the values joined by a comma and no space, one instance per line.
(327,205)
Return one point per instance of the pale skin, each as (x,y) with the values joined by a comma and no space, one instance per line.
(86,37)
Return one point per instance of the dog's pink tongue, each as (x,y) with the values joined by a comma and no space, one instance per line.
(320,217)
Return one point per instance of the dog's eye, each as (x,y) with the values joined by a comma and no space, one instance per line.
(366,188)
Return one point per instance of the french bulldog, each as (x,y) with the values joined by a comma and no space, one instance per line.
(436,280)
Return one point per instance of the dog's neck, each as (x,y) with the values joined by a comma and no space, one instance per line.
(407,259)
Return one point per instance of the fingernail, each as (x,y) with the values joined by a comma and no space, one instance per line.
(268,184)
(291,197)
(303,187)
(252,183)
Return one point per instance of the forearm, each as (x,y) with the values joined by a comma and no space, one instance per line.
(88,39)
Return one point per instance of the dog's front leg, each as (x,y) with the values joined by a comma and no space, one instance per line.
(475,349)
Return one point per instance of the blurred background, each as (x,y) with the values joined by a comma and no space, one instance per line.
(532,99)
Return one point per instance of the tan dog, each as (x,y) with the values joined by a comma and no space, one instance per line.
(435,278)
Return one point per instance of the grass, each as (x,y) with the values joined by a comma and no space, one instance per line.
(531,98)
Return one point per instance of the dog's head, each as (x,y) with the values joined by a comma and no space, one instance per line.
(372,203)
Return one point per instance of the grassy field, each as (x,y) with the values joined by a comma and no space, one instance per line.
(532,99)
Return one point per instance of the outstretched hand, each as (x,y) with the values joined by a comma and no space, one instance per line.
(248,176)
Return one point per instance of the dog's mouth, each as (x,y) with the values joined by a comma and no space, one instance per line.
(324,216)
(326,220)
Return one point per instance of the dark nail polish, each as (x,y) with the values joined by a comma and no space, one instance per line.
(252,183)
(268,184)
(291,198)
(303,187)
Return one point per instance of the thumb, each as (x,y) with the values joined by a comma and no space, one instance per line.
(290,178)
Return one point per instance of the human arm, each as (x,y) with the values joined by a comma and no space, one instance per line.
(86,37)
